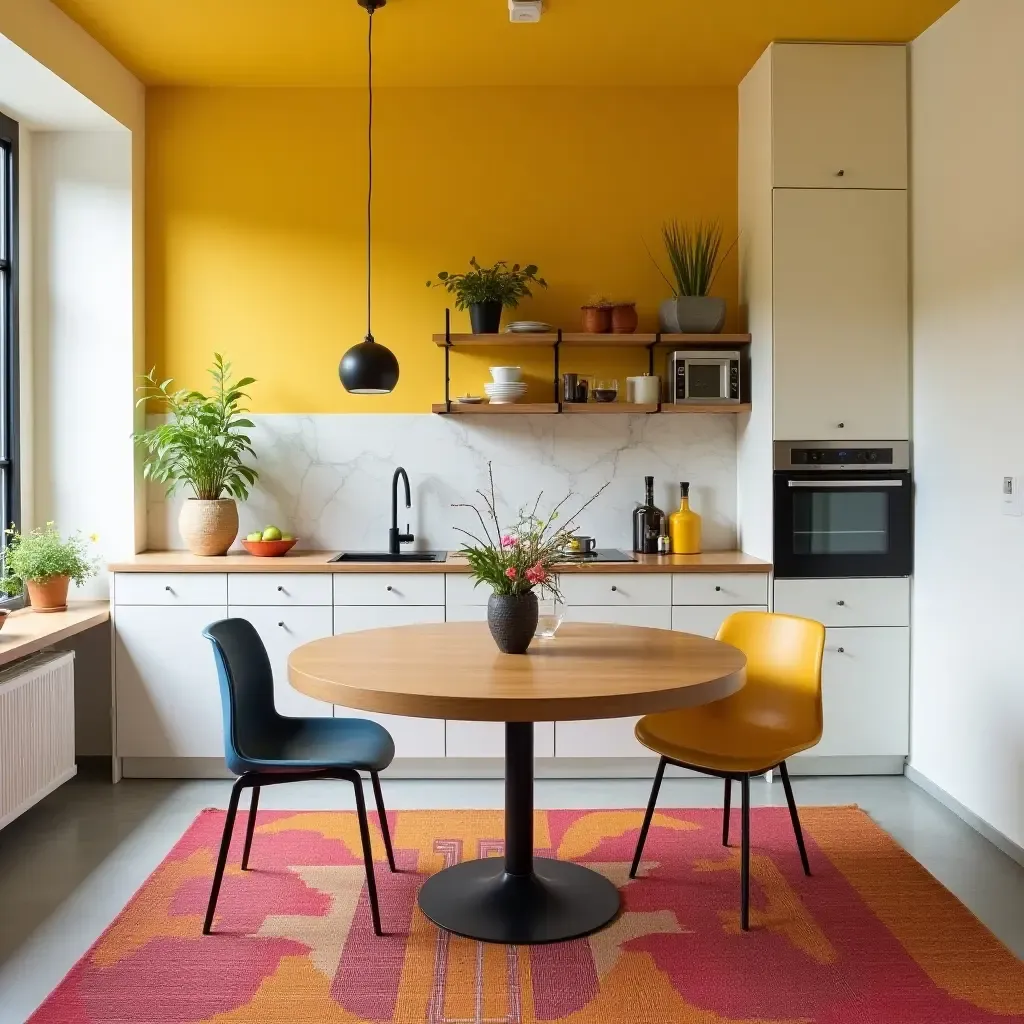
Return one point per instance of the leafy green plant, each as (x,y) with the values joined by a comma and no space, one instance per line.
(42,554)
(500,283)
(693,252)
(205,443)
(517,559)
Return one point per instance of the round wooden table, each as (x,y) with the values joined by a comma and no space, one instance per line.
(453,670)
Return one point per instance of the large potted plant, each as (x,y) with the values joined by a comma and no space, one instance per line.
(485,291)
(45,564)
(203,445)
(515,560)
(694,253)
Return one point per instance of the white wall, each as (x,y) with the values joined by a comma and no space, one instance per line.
(967,102)
(82,337)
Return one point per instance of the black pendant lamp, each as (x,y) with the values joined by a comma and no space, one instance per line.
(369,368)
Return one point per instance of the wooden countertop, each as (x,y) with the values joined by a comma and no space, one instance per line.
(26,632)
(317,561)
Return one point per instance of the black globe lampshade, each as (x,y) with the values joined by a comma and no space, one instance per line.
(368,369)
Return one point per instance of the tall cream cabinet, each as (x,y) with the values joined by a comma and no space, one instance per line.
(823,241)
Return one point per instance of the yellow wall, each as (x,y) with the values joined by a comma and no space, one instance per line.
(255,231)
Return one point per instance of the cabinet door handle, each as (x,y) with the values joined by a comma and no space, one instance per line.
(841,603)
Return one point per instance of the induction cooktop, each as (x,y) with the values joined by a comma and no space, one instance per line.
(600,555)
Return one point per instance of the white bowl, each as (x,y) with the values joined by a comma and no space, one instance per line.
(506,374)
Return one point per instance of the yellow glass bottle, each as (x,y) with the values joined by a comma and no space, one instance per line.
(684,525)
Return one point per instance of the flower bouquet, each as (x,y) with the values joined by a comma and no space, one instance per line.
(515,559)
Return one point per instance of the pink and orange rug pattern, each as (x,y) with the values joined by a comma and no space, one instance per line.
(870,938)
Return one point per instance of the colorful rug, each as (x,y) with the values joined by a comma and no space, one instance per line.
(871,938)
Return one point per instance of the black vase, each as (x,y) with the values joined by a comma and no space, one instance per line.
(485,317)
(512,619)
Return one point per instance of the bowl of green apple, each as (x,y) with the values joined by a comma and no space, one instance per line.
(270,542)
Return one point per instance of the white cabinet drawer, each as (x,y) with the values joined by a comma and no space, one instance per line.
(705,621)
(282,630)
(414,737)
(720,588)
(279,588)
(846,602)
(459,590)
(605,737)
(616,588)
(487,739)
(865,683)
(389,588)
(658,616)
(184,588)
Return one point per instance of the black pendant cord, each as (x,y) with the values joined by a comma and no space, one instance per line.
(369,187)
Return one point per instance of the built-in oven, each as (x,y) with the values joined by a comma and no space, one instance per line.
(843,509)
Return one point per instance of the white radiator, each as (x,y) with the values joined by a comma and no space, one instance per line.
(37,730)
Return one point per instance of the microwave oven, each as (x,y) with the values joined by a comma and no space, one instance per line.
(696,377)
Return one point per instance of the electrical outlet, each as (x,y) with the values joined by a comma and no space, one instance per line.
(1011,496)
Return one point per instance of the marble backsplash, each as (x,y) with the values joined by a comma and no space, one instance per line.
(327,478)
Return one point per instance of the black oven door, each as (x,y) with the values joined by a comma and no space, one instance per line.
(843,524)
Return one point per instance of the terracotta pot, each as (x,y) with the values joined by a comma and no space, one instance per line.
(512,620)
(624,318)
(48,595)
(597,319)
(208,527)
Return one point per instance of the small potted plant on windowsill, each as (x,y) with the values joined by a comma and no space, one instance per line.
(485,291)
(513,561)
(45,564)
(203,446)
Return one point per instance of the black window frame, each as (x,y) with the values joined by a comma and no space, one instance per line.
(10,469)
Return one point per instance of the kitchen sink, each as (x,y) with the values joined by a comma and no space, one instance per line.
(384,556)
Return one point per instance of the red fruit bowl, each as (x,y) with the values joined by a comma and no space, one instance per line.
(269,548)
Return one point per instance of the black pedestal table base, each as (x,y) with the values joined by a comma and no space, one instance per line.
(520,900)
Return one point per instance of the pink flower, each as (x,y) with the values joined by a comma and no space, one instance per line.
(511,573)
(509,541)
(536,573)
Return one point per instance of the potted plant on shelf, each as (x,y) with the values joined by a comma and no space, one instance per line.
(203,445)
(44,563)
(694,254)
(485,291)
(514,561)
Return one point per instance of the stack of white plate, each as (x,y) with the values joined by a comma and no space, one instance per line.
(504,394)
(528,327)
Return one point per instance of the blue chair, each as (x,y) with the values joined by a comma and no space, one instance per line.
(264,748)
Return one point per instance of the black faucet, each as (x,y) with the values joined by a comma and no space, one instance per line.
(395,537)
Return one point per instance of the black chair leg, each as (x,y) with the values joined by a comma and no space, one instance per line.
(250,826)
(378,797)
(222,858)
(795,817)
(364,835)
(745,855)
(647,817)
(726,812)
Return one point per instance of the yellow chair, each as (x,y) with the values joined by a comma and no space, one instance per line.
(776,715)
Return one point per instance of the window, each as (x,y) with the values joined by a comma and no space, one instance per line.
(9,488)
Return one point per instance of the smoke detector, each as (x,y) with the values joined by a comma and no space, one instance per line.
(524,12)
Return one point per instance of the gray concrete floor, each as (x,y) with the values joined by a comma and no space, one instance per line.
(69,865)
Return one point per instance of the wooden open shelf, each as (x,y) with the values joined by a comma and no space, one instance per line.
(582,409)
(730,407)
(485,409)
(591,340)
(598,408)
